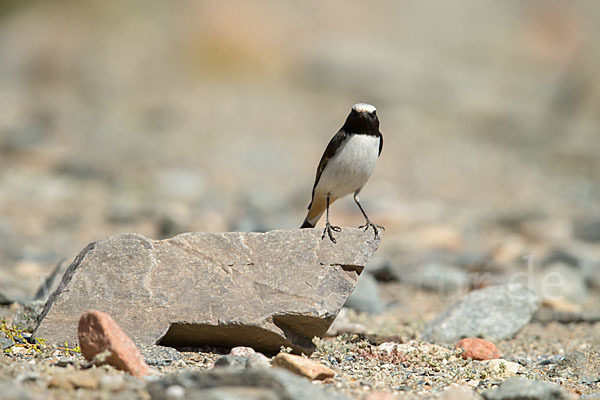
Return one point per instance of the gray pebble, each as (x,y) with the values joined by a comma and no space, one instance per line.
(522,388)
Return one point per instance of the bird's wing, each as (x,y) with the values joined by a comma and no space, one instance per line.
(331,150)
(380,144)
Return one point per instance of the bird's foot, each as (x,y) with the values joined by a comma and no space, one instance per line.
(329,229)
(376,228)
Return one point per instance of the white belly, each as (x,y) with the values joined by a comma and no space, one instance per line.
(351,167)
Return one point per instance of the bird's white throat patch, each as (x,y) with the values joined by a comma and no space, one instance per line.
(364,107)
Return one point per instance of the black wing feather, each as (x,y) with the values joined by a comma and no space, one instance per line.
(331,150)
(380,144)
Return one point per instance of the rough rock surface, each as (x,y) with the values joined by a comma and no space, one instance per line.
(278,383)
(262,290)
(496,312)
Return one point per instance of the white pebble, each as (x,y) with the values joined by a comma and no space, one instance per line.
(175,392)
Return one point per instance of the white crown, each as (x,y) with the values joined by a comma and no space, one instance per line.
(364,107)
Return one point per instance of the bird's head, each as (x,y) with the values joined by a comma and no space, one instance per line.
(362,119)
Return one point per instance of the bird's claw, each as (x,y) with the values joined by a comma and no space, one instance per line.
(328,231)
(375,227)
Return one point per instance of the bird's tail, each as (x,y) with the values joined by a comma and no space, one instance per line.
(317,208)
(307,224)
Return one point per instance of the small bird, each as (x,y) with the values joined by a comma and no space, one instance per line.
(345,167)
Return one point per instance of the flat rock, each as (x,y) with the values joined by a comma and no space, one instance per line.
(495,313)
(263,290)
(274,382)
(522,388)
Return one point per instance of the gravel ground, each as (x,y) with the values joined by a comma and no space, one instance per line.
(415,370)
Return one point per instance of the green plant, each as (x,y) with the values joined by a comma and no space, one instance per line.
(15,333)
(69,350)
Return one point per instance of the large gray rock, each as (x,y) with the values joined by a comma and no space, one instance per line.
(526,389)
(496,313)
(232,383)
(261,290)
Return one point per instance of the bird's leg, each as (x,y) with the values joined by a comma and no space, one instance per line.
(328,227)
(368,222)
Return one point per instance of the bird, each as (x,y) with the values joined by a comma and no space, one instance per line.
(345,167)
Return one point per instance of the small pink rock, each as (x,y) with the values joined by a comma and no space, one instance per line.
(242,351)
(98,332)
(478,349)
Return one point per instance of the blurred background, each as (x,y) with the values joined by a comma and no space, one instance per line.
(164,117)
